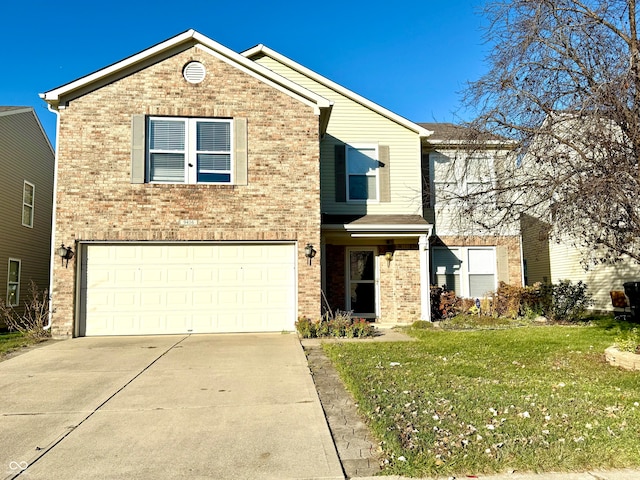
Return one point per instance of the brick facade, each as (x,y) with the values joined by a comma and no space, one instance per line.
(96,200)
(399,281)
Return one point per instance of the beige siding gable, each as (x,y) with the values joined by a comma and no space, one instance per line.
(351,123)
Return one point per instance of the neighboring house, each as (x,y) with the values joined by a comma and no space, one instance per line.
(549,261)
(193,180)
(464,257)
(550,254)
(26,192)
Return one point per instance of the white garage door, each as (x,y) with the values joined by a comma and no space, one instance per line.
(135,289)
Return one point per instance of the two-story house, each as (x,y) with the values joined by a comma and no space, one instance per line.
(465,257)
(205,190)
(26,192)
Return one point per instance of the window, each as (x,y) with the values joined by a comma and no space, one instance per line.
(28,194)
(469,271)
(13,282)
(362,172)
(457,177)
(481,268)
(190,150)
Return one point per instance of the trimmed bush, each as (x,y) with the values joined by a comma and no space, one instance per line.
(338,325)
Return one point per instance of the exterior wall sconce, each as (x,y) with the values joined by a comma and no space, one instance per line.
(309,252)
(65,253)
(388,257)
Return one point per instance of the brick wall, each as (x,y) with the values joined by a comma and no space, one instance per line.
(96,201)
(400,285)
(399,282)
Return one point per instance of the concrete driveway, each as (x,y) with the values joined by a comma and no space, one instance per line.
(199,406)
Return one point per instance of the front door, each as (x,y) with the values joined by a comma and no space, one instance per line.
(361,282)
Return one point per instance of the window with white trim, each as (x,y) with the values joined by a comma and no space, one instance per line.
(28,197)
(453,177)
(469,271)
(13,282)
(190,150)
(362,172)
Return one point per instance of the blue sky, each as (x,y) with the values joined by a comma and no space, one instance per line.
(412,57)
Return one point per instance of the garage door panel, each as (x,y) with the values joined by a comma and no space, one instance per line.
(152,276)
(151,298)
(124,300)
(131,289)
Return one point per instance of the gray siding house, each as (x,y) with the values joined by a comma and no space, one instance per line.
(26,194)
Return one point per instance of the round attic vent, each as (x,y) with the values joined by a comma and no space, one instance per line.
(194,72)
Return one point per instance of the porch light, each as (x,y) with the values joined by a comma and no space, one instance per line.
(65,253)
(388,257)
(309,252)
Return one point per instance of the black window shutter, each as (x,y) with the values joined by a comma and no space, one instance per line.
(340,173)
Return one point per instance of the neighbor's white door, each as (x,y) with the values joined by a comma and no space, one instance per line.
(135,289)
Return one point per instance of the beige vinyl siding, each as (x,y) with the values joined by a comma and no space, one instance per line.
(446,175)
(25,154)
(351,123)
(535,250)
(601,279)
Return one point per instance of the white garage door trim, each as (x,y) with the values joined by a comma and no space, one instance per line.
(133,288)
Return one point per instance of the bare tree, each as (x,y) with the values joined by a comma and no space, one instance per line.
(564,85)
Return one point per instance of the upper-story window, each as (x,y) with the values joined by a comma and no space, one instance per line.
(190,150)
(454,178)
(28,196)
(362,172)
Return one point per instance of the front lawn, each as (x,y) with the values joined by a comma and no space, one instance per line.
(10,342)
(536,398)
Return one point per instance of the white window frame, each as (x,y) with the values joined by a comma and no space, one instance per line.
(31,205)
(455,178)
(371,173)
(191,152)
(462,253)
(15,283)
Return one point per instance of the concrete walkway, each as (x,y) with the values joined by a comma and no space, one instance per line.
(206,406)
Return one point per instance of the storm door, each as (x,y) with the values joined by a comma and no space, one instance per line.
(361,282)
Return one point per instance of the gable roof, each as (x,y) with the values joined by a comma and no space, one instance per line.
(262,50)
(58,97)
(6,111)
(453,134)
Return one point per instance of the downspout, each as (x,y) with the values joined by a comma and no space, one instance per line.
(521,260)
(425,284)
(53,216)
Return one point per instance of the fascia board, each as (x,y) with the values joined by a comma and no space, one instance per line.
(378,228)
(262,49)
(15,111)
(386,228)
(272,79)
(463,145)
(248,66)
(53,96)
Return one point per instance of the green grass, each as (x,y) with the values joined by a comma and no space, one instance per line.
(10,342)
(476,402)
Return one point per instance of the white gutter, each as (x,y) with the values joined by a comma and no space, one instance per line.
(53,214)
